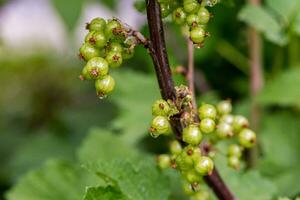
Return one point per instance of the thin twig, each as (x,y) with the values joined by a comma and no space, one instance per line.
(190,73)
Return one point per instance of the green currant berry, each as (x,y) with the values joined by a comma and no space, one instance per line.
(95,68)
(89,37)
(160,125)
(175,147)
(224,107)
(233,162)
(98,39)
(207,111)
(235,150)
(179,16)
(192,20)
(247,138)
(227,119)
(97,24)
(204,16)
(192,176)
(190,6)
(184,161)
(104,85)
(128,53)
(201,195)
(88,51)
(224,130)
(197,35)
(111,29)
(207,125)
(204,165)
(165,9)
(115,47)
(188,188)
(114,59)
(240,122)
(160,107)
(163,161)
(192,135)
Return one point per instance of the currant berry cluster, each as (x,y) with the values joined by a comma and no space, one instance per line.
(191,13)
(105,46)
(192,158)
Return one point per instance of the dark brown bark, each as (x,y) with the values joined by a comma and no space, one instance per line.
(159,56)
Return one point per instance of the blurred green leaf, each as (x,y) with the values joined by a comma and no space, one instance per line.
(69,10)
(283,90)
(101,193)
(260,19)
(296,25)
(135,93)
(280,141)
(138,179)
(55,180)
(36,150)
(112,4)
(285,9)
(102,145)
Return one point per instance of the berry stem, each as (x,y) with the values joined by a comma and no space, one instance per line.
(190,73)
(160,60)
(256,84)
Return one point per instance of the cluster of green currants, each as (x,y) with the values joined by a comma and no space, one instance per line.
(190,13)
(104,47)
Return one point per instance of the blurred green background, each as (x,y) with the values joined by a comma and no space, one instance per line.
(47,113)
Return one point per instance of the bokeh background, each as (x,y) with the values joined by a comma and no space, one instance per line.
(47,113)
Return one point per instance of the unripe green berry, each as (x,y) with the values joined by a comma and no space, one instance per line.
(98,39)
(192,176)
(207,125)
(240,122)
(89,37)
(163,161)
(224,130)
(165,9)
(192,19)
(204,16)
(204,165)
(234,162)
(190,6)
(128,53)
(192,135)
(188,188)
(88,51)
(111,28)
(179,16)
(247,138)
(201,195)
(95,68)
(160,125)
(160,107)
(224,107)
(114,47)
(185,161)
(207,111)
(227,119)
(175,147)
(114,59)
(97,24)
(104,85)
(235,150)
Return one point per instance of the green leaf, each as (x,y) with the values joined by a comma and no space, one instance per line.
(260,19)
(280,141)
(101,193)
(69,10)
(103,145)
(283,90)
(109,3)
(137,179)
(134,95)
(286,9)
(55,180)
(296,25)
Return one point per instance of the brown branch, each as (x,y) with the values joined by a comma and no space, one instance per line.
(166,85)
(190,72)
(256,84)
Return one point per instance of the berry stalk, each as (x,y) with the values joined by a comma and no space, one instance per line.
(163,72)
